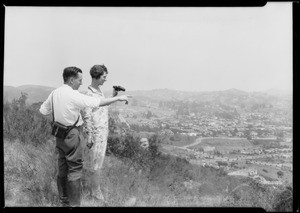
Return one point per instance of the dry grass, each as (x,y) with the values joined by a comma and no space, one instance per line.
(30,181)
(27,182)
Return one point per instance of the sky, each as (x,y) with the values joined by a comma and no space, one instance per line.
(145,48)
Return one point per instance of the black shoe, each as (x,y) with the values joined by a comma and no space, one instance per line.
(74,192)
(62,191)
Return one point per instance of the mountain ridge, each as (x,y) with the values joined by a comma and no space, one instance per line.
(38,93)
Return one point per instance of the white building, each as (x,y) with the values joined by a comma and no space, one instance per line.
(144,143)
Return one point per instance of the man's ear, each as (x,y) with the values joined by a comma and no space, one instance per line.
(71,80)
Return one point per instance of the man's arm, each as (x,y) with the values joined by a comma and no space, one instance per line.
(108,101)
(46,107)
(84,101)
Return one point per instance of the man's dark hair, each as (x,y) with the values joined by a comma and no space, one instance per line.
(97,71)
(70,72)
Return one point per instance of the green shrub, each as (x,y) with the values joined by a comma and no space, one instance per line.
(128,146)
(253,194)
(25,123)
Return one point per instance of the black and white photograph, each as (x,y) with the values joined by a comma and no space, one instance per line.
(148,106)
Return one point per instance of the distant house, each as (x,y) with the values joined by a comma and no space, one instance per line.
(189,133)
(252,172)
(253,134)
(208,148)
(288,139)
(286,167)
(239,134)
(144,143)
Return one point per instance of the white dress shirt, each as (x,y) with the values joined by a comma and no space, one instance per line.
(67,104)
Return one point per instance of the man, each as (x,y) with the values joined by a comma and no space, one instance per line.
(67,102)
(96,129)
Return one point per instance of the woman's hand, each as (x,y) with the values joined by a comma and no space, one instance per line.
(115,93)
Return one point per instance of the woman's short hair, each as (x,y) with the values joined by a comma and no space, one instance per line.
(70,72)
(97,71)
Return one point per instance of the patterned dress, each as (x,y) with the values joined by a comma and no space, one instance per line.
(96,127)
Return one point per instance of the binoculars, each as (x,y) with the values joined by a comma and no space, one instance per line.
(119,88)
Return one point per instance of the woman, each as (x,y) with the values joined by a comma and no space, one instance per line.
(96,130)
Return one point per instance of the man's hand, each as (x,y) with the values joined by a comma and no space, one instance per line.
(124,98)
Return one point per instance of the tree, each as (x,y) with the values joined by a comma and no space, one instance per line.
(214,133)
(247,134)
(111,125)
(222,163)
(22,100)
(149,114)
(233,164)
(217,153)
(6,123)
(280,174)
(25,122)
(284,201)
(177,137)
(279,135)
(200,149)
(235,131)
(249,126)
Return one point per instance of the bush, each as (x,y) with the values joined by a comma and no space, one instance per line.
(253,194)
(280,174)
(129,147)
(284,200)
(169,171)
(250,194)
(124,186)
(25,123)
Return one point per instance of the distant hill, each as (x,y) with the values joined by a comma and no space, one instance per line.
(233,96)
(167,94)
(230,96)
(35,93)
(277,92)
(162,94)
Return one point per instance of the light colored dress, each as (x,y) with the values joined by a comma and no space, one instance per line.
(96,127)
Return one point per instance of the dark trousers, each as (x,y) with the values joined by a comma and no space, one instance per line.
(70,162)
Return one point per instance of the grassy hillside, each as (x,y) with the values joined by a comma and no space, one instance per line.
(29,174)
(131,175)
(30,181)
